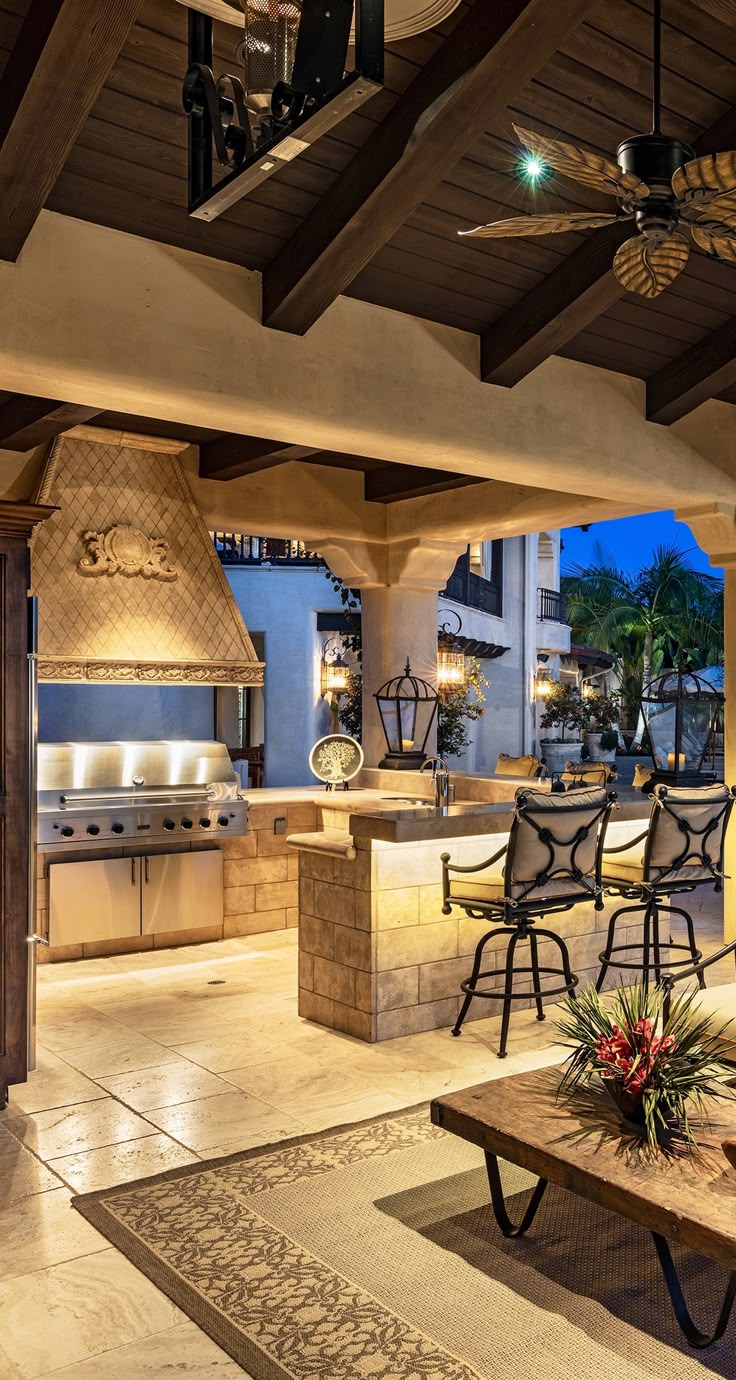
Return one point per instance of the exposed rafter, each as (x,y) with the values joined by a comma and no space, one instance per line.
(232,457)
(392,483)
(694,377)
(491,55)
(55,72)
(575,293)
(26,422)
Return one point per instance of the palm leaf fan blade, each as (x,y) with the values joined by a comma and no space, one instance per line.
(590,169)
(720,246)
(517,226)
(646,267)
(703,179)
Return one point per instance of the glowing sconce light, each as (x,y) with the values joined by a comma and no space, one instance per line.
(452,671)
(542,683)
(335,672)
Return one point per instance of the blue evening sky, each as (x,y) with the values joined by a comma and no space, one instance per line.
(631,541)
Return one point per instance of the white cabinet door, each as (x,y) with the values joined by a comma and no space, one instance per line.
(94,900)
(182,891)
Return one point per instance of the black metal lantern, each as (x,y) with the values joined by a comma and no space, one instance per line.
(680,709)
(452,670)
(407,706)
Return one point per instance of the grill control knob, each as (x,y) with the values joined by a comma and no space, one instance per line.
(223,821)
(169,824)
(67,831)
(93,828)
(118,828)
(205,822)
(186,824)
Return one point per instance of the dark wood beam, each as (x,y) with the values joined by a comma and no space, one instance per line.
(59,64)
(26,422)
(575,293)
(391,483)
(694,377)
(232,457)
(491,54)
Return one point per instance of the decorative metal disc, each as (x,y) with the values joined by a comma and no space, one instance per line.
(336,758)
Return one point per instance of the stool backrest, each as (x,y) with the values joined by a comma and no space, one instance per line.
(529,765)
(555,844)
(589,773)
(687,830)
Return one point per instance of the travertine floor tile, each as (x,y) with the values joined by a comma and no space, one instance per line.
(59,1086)
(21,1173)
(67,1130)
(228,1048)
(117,1164)
(41,1231)
(74,1028)
(224,1120)
(127,1052)
(54,1317)
(182,1352)
(164,1086)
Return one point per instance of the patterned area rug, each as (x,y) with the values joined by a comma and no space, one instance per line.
(370,1253)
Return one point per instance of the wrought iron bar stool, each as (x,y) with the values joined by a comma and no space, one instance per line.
(683,850)
(553,862)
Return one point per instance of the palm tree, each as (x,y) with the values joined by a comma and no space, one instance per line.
(647,617)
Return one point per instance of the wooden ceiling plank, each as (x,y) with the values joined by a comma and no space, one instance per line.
(573,295)
(233,456)
(393,483)
(694,377)
(27,421)
(493,50)
(58,66)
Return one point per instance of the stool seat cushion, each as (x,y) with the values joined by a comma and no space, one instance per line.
(479,886)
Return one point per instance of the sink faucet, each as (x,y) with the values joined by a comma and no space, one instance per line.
(444,793)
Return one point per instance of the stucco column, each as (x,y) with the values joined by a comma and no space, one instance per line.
(399,583)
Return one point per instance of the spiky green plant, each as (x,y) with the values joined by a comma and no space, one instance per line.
(625,1038)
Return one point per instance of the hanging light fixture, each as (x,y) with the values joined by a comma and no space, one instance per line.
(335,672)
(452,671)
(407,706)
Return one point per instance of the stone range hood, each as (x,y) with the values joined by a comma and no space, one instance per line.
(130,588)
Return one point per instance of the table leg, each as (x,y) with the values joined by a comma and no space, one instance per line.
(693,1334)
(499,1202)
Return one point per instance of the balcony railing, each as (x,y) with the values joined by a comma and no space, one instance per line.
(551,606)
(236,548)
(465,587)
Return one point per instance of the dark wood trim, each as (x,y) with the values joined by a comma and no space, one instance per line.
(693,377)
(573,295)
(488,58)
(27,421)
(392,483)
(57,68)
(232,457)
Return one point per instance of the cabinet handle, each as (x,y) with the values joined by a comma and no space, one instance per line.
(132,877)
(148,870)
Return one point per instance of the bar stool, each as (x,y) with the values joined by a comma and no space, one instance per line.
(553,862)
(683,850)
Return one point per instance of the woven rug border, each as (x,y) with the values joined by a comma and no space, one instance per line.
(181,1293)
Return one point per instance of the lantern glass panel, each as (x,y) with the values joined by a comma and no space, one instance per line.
(451,669)
(271,30)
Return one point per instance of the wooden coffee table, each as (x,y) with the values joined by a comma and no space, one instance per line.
(582,1146)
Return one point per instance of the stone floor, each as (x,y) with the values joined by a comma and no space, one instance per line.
(159,1059)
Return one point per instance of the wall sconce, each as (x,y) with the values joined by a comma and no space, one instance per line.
(542,683)
(334,670)
(452,671)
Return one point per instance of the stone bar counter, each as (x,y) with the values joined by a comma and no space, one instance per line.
(377,957)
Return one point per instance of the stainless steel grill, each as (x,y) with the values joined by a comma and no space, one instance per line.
(91,794)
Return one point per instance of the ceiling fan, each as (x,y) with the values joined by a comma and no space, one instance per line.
(659,185)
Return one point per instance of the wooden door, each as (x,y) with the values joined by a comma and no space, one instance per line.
(16,846)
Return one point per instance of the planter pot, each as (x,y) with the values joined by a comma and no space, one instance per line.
(632,1110)
(557,753)
(595,752)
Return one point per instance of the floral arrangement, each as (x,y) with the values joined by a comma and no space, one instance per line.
(651,1067)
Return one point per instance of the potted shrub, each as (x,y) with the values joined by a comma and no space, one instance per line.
(601,738)
(565,711)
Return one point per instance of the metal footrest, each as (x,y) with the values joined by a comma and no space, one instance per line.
(532,994)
